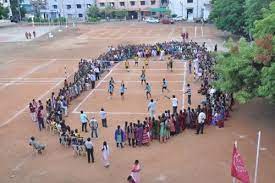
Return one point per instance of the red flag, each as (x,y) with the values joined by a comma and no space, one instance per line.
(238,169)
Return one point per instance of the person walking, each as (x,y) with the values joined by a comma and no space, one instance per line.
(103,116)
(94,127)
(84,120)
(90,150)
(135,172)
(201,120)
(164,85)
(105,154)
(189,93)
(148,90)
(175,102)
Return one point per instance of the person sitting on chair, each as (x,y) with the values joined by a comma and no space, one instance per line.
(39,147)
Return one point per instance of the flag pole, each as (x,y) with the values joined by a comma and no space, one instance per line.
(234,178)
(257,157)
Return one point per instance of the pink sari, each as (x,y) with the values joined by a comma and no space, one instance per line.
(136,173)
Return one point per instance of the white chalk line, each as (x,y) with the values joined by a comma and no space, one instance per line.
(183,85)
(27,106)
(201,31)
(150,70)
(195,31)
(28,73)
(156,73)
(138,81)
(98,84)
(114,113)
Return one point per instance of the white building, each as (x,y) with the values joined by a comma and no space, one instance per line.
(190,9)
(71,9)
(6,4)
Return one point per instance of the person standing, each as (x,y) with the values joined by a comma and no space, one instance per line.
(148,90)
(90,150)
(34,34)
(135,172)
(103,116)
(175,102)
(92,78)
(111,89)
(122,90)
(40,118)
(201,120)
(84,120)
(32,111)
(152,108)
(97,73)
(119,136)
(105,154)
(94,127)
(162,53)
(189,93)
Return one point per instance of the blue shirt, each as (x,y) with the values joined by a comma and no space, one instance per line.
(83,118)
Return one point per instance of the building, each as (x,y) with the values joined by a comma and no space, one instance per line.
(136,8)
(191,9)
(6,4)
(70,9)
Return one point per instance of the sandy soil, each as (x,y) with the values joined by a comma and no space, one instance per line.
(33,69)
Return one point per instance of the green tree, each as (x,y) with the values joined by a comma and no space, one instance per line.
(267,89)
(4,12)
(120,14)
(253,12)
(229,15)
(236,71)
(93,13)
(267,24)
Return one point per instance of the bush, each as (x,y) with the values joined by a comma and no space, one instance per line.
(93,19)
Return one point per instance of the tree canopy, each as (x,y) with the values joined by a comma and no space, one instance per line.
(4,12)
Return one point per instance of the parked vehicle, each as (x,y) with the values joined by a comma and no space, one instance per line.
(151,20)
(167,21)
(178,18)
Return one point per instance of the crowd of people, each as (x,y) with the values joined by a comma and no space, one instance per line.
(214,109)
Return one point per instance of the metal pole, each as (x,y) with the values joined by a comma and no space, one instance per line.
(197,9)
(257,157)
(234,179)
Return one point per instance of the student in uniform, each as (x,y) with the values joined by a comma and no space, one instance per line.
(122,90)
(146,62)
(142,78)
(111,89)
(148,90)
(136,60)
(164,85)
(127,65)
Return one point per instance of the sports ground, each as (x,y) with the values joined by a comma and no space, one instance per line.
(35,68)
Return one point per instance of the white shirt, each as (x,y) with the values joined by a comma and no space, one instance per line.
(102,114)
(88,144)
(201,117)
(96,70)
(174,102)
(152,106)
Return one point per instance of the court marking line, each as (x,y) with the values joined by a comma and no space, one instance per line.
(183,85)
(201,31)
(98,84)
(148,69)
(138,81)
(28,73)
(134,73)
(195,31)
(27,106)
(113,113)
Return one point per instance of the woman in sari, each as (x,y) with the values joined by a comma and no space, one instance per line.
(105,154)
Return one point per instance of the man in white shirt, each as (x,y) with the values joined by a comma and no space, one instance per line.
(174,104)
(96,73)
(152,108)
(201,120)
(92,78)
(174,101)
(103,116)
(90,150)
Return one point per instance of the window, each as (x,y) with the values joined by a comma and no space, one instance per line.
(112,4)
(6,1)
(101,4)
(80,15)
(142,3)
(69,6)
(78,6)
(122,3)
(132,3)
(54,6)
(189,1)
(153,2)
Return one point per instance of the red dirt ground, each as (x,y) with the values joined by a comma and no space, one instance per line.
(33,69)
